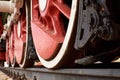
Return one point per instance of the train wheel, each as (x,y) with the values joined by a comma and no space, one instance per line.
(21,38)
(53,29)
(10,56)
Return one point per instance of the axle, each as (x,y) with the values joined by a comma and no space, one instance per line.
(6,6)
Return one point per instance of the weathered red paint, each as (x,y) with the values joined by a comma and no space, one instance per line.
(47,27)
(15,43)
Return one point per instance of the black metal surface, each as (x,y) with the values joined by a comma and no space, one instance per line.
(62,74)
(2,45)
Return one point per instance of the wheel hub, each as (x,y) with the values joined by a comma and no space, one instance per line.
(42,4)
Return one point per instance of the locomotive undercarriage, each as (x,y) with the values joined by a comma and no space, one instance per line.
(97,31)
(57,33)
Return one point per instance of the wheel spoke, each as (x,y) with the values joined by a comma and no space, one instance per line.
(63,8)
(58,27)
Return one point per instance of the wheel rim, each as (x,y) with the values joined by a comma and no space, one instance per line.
(64,9)
(20,32)
(21,39)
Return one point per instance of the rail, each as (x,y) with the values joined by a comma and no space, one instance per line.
(62,74)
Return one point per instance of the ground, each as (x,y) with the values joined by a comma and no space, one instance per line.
(4,77)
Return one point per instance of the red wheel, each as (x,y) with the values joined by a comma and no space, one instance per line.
(18,40)
(10,49)
(53,31)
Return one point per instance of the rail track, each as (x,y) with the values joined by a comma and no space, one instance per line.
(57,34)
(92,72)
